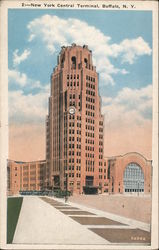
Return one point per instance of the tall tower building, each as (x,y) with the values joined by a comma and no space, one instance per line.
(74,126)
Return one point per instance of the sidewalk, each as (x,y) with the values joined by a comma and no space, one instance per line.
(46,220)
(40,223)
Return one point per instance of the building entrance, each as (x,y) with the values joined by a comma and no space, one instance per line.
(89,188)
(89,180)
(133,178)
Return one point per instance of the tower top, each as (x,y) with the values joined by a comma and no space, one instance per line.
(74,57)
(74,45)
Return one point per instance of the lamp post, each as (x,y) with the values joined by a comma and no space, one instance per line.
(66,198)
(138,187)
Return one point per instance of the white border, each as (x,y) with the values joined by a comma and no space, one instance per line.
(3,121)
(139,5)
(155,172)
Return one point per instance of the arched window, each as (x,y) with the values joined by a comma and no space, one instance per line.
(73,62)
(133,178)
(85,61)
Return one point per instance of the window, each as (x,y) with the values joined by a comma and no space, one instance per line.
(133,178)
(78,184)
(73,62)
(85,61)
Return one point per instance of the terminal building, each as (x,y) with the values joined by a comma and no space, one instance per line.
(125,174)
(74,139)
(74,149)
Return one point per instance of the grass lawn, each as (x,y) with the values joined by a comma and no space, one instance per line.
(13,211)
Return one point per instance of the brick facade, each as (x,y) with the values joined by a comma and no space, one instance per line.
(116,167)
(74,141)
(32,175)
(25,176)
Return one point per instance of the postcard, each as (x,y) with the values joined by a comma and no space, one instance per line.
(79,125)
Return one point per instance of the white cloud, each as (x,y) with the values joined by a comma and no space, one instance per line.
(17,59)
(17,77)
(54,32)
(27,108)
(130,106)
(131,49)
(106,99)
(108,79)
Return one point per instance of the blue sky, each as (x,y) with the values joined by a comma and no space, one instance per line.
(121,44)
(118,25)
